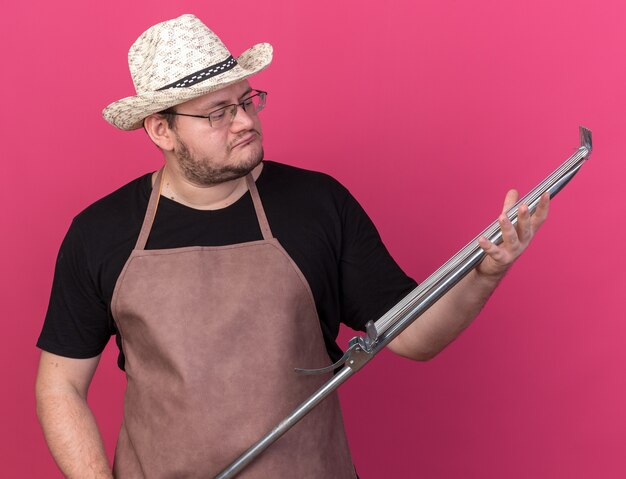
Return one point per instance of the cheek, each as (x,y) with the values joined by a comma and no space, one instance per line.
(211,143)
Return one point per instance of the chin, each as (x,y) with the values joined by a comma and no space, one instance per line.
(253,160)
(237,169)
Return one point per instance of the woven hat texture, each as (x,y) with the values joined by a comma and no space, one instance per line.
(175,61)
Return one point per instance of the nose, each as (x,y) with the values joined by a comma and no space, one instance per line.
(243,120)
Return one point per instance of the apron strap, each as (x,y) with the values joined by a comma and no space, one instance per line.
(153,203)
(258,207)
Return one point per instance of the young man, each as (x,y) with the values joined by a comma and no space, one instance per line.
(244,270)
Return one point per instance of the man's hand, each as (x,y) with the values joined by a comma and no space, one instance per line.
(449,316)
(515,239)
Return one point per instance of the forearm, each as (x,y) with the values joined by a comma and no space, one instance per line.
(447,318)
(72,434)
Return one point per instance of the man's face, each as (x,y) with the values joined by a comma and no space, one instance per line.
(206,155)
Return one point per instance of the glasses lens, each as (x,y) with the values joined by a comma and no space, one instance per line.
(221,117)
(255,103)
(251,105)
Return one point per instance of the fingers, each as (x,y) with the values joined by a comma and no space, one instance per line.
(541,213)
(527,225)
(498,259)
(515,238)
(491,249)
(524,226)
(509,200)
(510,237)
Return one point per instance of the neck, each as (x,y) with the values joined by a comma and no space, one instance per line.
(213,197)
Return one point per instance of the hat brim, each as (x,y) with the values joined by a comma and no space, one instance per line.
(128,113)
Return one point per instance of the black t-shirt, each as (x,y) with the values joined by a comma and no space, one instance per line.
(321,226)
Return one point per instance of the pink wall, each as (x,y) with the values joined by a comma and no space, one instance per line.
(428,111)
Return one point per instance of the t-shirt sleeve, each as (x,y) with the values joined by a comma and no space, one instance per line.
(371,281)
(77,323)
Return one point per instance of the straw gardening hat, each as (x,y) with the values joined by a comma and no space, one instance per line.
(175,61)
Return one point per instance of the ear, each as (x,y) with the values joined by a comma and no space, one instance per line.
(159,132)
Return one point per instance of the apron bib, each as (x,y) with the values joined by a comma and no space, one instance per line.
(211,336)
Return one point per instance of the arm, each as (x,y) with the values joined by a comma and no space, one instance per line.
(447,318)
(68,424)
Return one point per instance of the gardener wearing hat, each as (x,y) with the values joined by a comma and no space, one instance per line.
(218,274)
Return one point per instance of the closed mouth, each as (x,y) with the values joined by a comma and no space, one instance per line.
(248,138)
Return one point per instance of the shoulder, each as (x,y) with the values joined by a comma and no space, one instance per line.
(288,172)
(112,221)
(117,204)
(279,178)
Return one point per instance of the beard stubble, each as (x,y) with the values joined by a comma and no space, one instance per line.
(203,172)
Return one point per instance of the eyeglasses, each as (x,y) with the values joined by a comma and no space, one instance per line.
(224,116)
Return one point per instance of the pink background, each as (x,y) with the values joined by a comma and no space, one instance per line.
(428,111)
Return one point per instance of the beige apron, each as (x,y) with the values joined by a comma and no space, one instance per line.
(211,336)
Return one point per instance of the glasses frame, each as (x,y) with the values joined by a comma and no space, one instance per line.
(233,109)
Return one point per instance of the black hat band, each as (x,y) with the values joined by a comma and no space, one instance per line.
(202,75)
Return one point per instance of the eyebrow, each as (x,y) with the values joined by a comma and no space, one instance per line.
(225,102)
